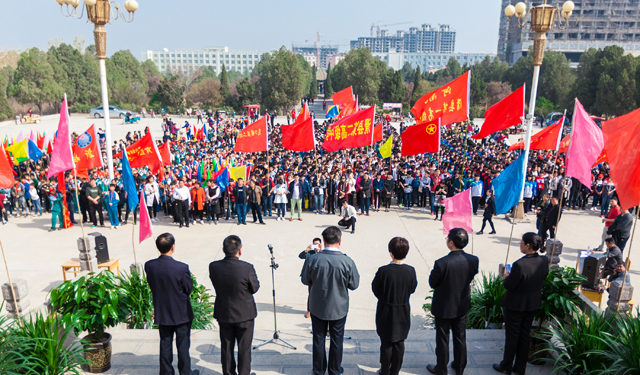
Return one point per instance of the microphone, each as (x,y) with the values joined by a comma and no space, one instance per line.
(270,248)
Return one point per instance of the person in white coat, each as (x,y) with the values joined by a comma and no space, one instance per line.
(152,196)
(280,192)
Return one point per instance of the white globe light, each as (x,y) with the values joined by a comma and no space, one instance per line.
(520,8)
(90,2)
(131,6)
(509,11)
(568,6)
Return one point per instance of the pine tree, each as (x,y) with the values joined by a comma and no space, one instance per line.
(417,82)
(225,90)
(328,90)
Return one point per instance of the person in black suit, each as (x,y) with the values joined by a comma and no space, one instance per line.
(171,284)
(235,283)
(451,278)
(392,286)
(551,219)
(521,302)
(620,229)
(489,212)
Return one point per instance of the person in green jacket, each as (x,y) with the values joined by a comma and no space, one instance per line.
(56,209)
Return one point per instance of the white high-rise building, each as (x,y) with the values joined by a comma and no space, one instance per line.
(187,60)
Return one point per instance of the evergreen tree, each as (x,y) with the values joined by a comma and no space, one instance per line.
(225,89)
(313,89)
(328,86)
(417,83)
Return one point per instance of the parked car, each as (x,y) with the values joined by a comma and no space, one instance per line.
(98,112)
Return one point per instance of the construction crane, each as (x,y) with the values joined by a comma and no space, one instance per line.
(374,26)
(316,44)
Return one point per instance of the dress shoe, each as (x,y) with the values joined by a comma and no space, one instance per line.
(499,368)
(480,232)
(492,232)
(431,368)
(195,372)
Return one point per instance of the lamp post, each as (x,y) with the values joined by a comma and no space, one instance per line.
(541,19)
(100,12)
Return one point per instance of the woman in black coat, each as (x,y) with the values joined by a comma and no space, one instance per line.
(489,212)
(521,303)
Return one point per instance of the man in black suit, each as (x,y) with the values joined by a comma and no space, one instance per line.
(551,219)
(620,229)
(392,286)
(451,278)
(171,284)
(235,283)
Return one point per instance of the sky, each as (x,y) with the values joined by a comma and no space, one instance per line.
(250,24)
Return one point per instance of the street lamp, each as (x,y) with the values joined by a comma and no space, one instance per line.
(541,19)
(99,12)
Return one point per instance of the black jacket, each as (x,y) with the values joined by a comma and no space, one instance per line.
(614,256)
(489,208)
(392,286)
(171,284)
(365,186)
(551,218)
(245,199)
(235,283)
(331,187)
(621,227)
(389,185)
(524,283)
(451,278)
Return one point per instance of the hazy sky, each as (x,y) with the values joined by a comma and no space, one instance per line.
(250,24)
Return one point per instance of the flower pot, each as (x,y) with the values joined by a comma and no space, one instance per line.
(97,354)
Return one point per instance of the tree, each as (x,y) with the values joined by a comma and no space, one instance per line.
(33,80)
(496,91)
(6,112)
(170,94)
(248,92)
(363,72)
(153,76)
(407,72)
(392,89)
(126,79)
(313,88)
(284,79)
(205,72)
(205,93)
(77,73)
(225,90)
(328,89)
(417,84)
(543,106)
(478,92)
(453,69)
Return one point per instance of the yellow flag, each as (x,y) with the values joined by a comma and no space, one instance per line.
(385,149)
(238,172)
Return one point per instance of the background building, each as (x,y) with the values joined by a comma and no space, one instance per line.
(429,61)
(594,24)
(187,60)
(311,54)
(423,39)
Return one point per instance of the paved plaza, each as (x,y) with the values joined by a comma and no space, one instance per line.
(36,255)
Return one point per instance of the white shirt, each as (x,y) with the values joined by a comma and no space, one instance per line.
(182,194)
(349,212)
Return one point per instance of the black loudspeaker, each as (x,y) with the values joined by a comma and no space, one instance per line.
(102,250)
(592,269)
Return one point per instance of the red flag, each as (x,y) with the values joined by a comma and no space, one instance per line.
(621,137)
(377,133)
(343,96)
(421,138)
(349,109)
(143,153)
(450,102)
(564,143)
(165,152)
(504,114)
(304,113)
(146,229)
(6,170)
(587,143)
(352,131)
(40,141)
(66,218)
(546,139)
(86,153)
(299,136)
(601,159)
(253,138)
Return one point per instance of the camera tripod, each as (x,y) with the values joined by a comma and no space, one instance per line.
(276,335)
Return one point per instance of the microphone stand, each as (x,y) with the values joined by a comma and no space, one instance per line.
(276,336)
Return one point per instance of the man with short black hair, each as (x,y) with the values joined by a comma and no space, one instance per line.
(392,286)
(330,275)
(614,256)
(451,278)
(235,283)
(349,216)
(171,284)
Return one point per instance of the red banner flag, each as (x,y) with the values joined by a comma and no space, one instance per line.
(165,152)
(86,153)
(351,132)
(6,170)
(602,158)
(299,136)
(349,109)
(621,137)
(343,96)
(450,103)
(143,153)
(62,188)
(304,113)
(504,114)
(253,138)
(421,138)
(546,139)
(377,133)
(564,143)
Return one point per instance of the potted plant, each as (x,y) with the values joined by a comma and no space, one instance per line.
(91,303)
(138,301)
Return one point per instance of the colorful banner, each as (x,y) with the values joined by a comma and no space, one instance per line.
(351,132)
(421,138)
(86,151)
(450,103)
(343,96)
(253,138)
(143,153)
(504,114)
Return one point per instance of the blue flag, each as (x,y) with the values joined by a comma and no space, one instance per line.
(128,182)
(508,185)
(34,152)
(333,111)
(223,180)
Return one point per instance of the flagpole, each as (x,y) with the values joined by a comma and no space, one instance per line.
(513,223)
(13,292)
(133,240)
(627,262)
(86,247)
(553,249)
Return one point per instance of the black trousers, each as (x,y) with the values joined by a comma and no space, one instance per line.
(229,334)
(92,213)
(336,333)
(182,212)
(517,339)
(330,204)
(552,232)
(484,223)
(255,208)
(457,326)
(348,223)
(475,201)
(183,342)
(84,205)
(391,355)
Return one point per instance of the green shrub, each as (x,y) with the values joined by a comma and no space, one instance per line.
(486,302)
(14,351)
(81,108)
(138,300)
(622,351)
(558,298)
(202,306)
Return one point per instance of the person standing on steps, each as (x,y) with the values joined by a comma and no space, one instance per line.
(451,279)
